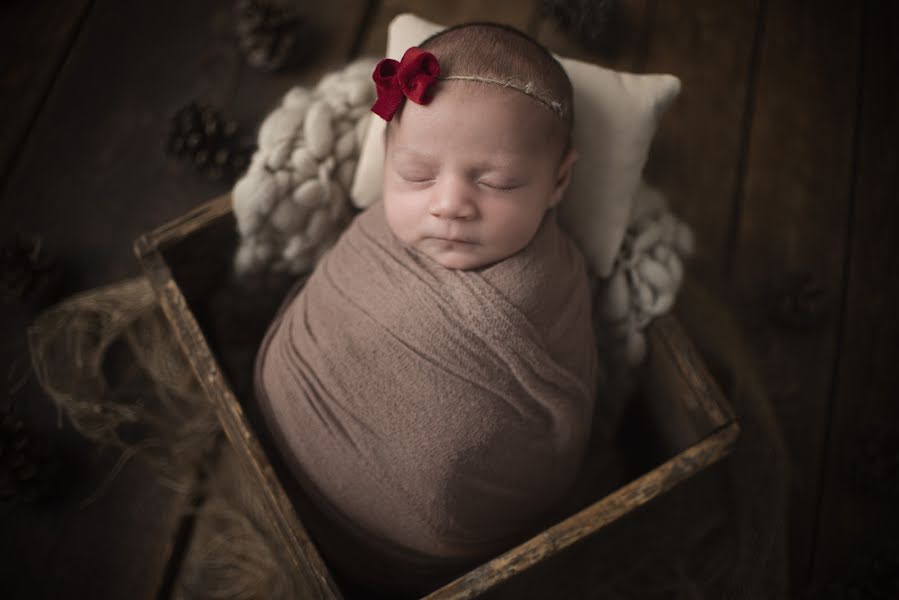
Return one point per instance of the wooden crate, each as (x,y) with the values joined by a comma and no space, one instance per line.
(681,409)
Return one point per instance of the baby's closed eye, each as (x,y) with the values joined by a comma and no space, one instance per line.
(415,175)
(500,184)
(418,179)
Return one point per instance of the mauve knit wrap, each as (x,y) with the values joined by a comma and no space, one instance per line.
(432,415)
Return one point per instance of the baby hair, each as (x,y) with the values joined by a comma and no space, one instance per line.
(495,54)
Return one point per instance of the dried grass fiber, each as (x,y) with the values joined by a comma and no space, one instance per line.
(153,407)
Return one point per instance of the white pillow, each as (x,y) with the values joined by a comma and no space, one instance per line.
(615,119)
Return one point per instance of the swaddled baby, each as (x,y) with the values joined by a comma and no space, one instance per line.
(431,386)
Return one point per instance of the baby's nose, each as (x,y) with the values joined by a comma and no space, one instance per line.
(452,201)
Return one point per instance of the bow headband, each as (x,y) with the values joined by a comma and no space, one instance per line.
(413,76)
(409,78)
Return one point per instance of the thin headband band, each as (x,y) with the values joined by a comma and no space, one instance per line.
(526,88)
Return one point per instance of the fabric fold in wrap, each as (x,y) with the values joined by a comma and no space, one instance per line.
(433,416)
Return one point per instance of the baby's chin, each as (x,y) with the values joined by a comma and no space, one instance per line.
(454,255)
(458,263)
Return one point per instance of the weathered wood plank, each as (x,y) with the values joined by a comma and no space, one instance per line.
(337,26)
(302,554)
(858,516)
(254,94)
(627,29)
(696,155)
(91,177)
(697,152)
(116,547)
(102,131)
(792,219)
(59,548)
(374,42)
(35,38)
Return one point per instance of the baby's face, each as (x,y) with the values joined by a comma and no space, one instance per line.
(469,177)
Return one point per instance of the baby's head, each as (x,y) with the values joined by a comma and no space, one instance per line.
(469,176)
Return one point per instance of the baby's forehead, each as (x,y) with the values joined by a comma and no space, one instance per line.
(518,123)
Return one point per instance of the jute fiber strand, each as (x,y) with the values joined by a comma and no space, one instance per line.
(120,329)
(235,553)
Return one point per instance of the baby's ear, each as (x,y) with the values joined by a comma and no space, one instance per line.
(563,176)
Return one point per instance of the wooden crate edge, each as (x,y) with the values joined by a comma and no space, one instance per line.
(668,331)
(205,367)
(184,225)
(593,518)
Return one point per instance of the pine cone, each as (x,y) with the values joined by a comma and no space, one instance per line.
(26,463)
(209,142)
(802,304)
(25,268)
(267,33)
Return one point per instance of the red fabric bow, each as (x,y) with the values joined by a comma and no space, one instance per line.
(409,78)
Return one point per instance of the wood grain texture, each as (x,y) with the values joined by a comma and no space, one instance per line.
(857,519)
(57,549)
(301,552)
(687,401)
(91,176)
(696,155)
(793,219)
(35,38)
(95,153)
(176,230)
(116,547)
(627,29)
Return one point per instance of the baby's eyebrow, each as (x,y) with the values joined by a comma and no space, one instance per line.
(414,153)
(486,164)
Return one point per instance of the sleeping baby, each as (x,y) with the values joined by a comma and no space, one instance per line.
(431,386)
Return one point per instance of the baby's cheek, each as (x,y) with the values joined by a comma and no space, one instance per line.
(515,228)
(401,217)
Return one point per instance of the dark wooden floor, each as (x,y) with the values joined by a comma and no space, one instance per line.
(781,153)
